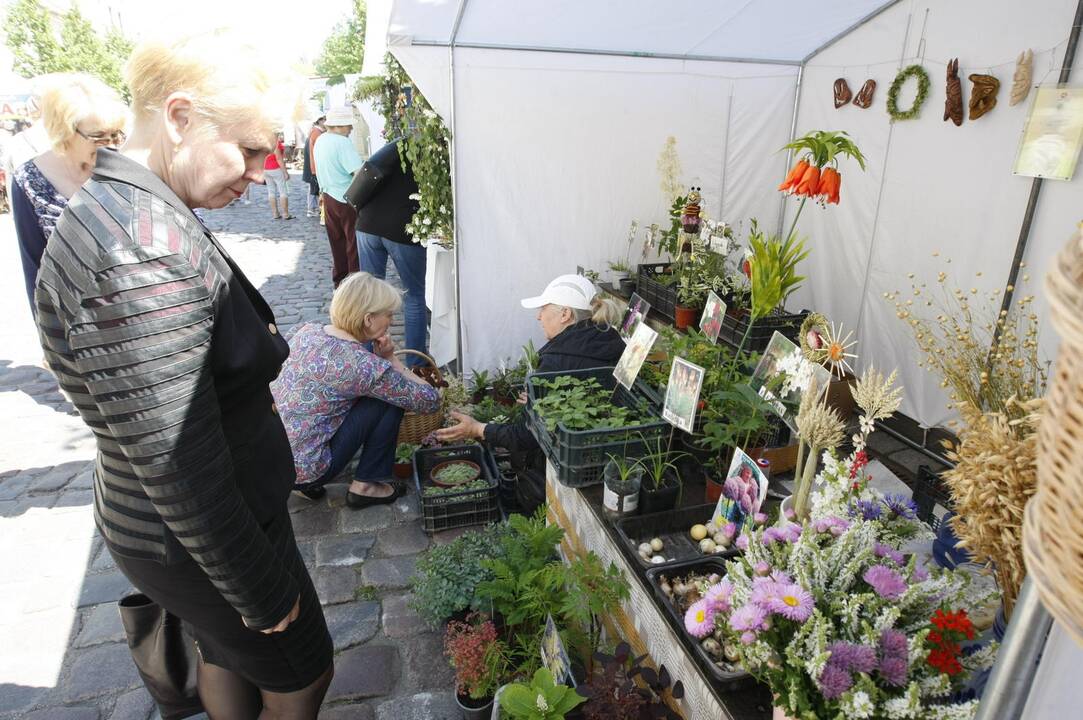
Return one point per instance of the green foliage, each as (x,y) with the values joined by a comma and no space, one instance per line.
(671,238)
(366,592)
(774,265)
(448,575)
(542,699)
(825,147)
(344,49)
(404,452)
(478,485)
(36,49)
(659,460)
(583,404)
(456,474)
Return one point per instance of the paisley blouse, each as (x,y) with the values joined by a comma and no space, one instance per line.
(319,384)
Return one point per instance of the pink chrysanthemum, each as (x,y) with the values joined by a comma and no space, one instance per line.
(742,542)
(718,596)
(750,617)
(699,620)
(762,568)
(793,602)
(887,583)
(748,637)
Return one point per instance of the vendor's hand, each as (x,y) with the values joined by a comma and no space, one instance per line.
(522,398)
(465,428)
(285,622)
(384,346)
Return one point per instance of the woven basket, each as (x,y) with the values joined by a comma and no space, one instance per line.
(415,426)
(1053,527)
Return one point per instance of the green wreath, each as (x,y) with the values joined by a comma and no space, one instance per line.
(893,93)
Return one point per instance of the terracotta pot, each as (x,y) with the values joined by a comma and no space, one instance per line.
(713,490)
(403,471)
(684,317)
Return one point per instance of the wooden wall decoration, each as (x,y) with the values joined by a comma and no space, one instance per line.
(842,93)
(953,105)
(983,97)
(864,96)
(1024,71)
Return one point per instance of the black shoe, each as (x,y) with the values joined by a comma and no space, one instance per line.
(312,492)
(357,501)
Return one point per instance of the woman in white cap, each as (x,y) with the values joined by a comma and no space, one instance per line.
(580,325)
(336,161)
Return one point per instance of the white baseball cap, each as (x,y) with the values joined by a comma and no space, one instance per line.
(574,291)
(339,116)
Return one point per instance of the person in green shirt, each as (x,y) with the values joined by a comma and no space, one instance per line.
(336,161)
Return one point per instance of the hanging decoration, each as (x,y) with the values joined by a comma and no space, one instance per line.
(842,93)
(1024,70)
(912,71)
(864,96)
(953,105)
(983,97)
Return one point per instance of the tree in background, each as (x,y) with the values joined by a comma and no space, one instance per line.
(344,50)
(38,48)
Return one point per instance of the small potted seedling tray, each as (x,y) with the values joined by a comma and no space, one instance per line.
(579,456)
(446,508)
(733,329)
(672,528)
(727,680)
(651,287)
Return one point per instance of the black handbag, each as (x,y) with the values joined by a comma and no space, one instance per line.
(164,655)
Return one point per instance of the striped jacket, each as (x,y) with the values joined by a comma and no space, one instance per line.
(167,351)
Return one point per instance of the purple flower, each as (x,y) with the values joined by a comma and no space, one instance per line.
(883,551)
(792,532)
(789,513)
(759,518)
(742,542)
(865,509)
(718,596)
(894,671)
(730,530)
(901,506)
(793,602)
(762,568)
(699,620)
(887,583)
(894,657)
(893,643)
(781,578)
(920,574)
(852,657)
(748,617)
(764,592)
(834,525)
(834,681)
(748,637)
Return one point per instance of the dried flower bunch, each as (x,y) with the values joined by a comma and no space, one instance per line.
(956,343)
(995,474)
(819,428)
(823,343)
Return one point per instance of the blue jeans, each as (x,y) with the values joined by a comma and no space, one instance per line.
(372,426)
(410,261)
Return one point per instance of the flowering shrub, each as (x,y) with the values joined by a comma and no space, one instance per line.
(841,624)
(479,658)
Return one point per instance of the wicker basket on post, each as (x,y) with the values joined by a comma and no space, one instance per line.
(415,426)
(1052,531)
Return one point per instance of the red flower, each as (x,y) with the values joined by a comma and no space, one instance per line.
(746,268)
(861,459)
(794,176)
(810,182)
(830,184)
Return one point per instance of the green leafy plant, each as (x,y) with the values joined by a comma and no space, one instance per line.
(583,404)
(591,590)
(456,474)
(542,699)
(447,576)
(404,452)
(773,267)
(478,485)
(480,383)
(478,655)
(657,462)
(671,238)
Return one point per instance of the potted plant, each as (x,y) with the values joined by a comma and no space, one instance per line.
(541,699)
(622,276)
(481,662)
(404,460)
(623,479)
(443,587)
(623,687)
(661,486)
(453,473)
(787,606)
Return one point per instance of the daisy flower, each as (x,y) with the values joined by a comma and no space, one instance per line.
(793,602)
(718,595)
(699,620)
(836,350)
(748,617)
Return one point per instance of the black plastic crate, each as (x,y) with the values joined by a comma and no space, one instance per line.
(930,491)
(671,527)
(733,329)
(506,481)
(579,456)
(456,509)
(661,295)
(727,680)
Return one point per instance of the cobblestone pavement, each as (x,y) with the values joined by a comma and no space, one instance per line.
(62,653)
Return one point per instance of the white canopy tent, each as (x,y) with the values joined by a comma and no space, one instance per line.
(559,111)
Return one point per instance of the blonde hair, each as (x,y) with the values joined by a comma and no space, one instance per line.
(225,77)
(70,98)
(358,296)
(603,311)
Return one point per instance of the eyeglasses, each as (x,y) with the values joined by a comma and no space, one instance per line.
(103,139)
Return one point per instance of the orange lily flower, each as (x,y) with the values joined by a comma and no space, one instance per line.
(794,176)
(830,184)
(810,181)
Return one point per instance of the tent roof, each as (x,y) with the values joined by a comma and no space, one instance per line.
(773,31)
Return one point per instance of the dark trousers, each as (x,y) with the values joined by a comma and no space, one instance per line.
(341,219)
(372,426)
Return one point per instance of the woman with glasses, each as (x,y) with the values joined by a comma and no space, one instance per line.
(80,114)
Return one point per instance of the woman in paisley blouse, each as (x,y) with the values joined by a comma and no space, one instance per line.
(80,114)
(335,396)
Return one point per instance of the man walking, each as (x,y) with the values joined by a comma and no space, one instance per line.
(336,162)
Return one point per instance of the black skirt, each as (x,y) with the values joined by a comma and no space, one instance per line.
(277,662)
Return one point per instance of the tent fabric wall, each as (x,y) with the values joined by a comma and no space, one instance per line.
(931,187)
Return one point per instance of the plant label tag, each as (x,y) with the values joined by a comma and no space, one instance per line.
(682,394)
(713,312)
(635,352)
(743,492)
(554,656)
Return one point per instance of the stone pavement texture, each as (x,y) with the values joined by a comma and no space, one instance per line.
(62,649)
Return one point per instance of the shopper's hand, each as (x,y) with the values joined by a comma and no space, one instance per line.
(465,428)
(285,622)
(522,398)
(384,346)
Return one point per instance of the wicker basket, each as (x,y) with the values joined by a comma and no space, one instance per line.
(415,426)
(1053,528)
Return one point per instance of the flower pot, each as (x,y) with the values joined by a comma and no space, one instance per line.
(684,317)
(664,498)
(473,467)
(474,709)
(627,285)
(713,490)
(786,504)
(621,497)
(402,471)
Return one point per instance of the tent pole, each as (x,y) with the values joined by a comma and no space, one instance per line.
(850,29)
(725,156)
(452,158)
(1035,189)
(793,136)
